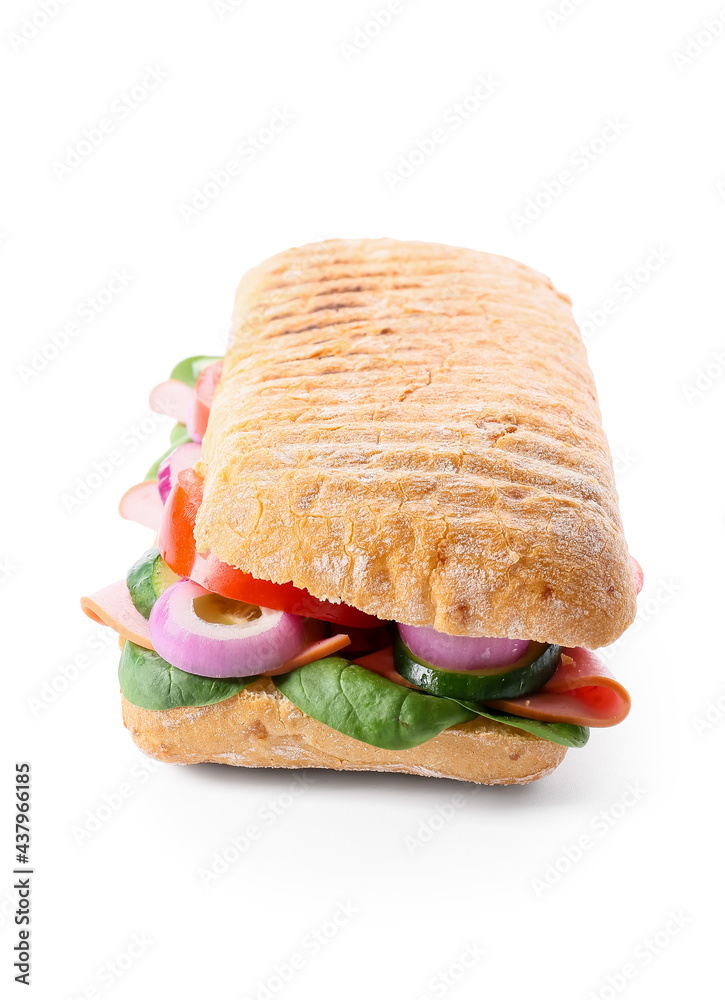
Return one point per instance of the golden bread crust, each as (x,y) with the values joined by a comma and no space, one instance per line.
(414,429)
(259,727)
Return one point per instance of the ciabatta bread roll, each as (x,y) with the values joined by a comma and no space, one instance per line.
(403,429)
(413,429)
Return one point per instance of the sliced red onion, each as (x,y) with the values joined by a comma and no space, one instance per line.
(244,640)
(183,457)
(461,652)
(172,399)
(142,503)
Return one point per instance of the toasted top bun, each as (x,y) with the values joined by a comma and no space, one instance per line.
(414,429)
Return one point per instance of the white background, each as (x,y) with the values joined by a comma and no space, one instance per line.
(350,839)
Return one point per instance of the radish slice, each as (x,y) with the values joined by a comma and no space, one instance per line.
(142,503)
(184,457)
(460,652)
(172,399)
(638,575)
(212,636)
(113,606)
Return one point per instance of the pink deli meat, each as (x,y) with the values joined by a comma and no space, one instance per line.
(582,692)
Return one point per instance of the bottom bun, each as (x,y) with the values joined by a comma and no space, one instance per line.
(259,727)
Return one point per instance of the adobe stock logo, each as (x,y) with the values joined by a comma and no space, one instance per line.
(369,30)
(428,828)
(312,943)
(560,14)
(599,826)
(448,978)
(453,118)
(88,310)
(247,150)
(111,971)
(711,716)
(578,162)
(225,7)
(624,290)
(705,378)
(710,30)
(120,109)
(32,25)
(643,956)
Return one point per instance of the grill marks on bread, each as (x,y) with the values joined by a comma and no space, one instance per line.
(414,429)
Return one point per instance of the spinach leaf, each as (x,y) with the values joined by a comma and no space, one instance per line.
(189,370)
(564,733)
(367,707)
(179,435)
(148,681)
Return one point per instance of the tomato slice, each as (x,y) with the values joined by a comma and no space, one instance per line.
(217,576)
(177,546)
(176,531)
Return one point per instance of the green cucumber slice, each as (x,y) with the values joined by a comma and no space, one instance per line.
(147,579)
(148,681)
(564,733)
(527,675)
(368,707)
(189,370)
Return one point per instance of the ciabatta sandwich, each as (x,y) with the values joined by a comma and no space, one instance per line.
(388,531)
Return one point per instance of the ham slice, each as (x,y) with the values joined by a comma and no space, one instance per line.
(143,503)
(582,691)
(382,662)
(317,651)
(172,399)
(113,606)
(638,575)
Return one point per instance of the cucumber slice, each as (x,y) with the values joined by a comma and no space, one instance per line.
(527,675)
(147,579)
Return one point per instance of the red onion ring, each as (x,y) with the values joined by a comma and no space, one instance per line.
(461,652)
(186,639)
(182,457)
